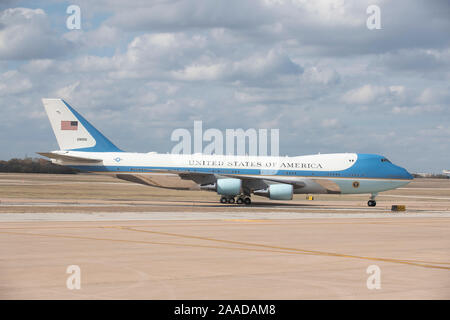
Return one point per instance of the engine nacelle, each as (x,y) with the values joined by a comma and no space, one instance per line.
(229,187)
(277,192)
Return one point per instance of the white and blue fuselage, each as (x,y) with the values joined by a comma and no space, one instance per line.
(351,172)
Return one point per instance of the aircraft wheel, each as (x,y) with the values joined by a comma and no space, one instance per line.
(371,203)
(247,201)
(223,200)
(230,200)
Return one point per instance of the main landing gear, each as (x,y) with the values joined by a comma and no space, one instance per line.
(240,200)
(372,202)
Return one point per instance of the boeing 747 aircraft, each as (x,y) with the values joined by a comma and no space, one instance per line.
(234,178)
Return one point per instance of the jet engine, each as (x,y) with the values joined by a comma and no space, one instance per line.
(277,192)
(225,187)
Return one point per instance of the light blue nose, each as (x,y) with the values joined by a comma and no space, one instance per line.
(405,174)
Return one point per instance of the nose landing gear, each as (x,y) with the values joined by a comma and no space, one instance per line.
(372,202)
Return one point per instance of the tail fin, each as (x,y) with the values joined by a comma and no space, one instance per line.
(72,131)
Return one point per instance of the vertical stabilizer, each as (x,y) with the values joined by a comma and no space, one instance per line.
(72,131)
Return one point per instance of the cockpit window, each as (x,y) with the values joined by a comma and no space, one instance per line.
(385,160)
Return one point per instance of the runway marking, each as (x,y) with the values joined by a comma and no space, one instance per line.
(267,248)
(425,264)
(247,220)
(146,242)
(413,221)
(415,197)
(431,188)
(152,208)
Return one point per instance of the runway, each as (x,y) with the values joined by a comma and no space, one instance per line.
(134,242)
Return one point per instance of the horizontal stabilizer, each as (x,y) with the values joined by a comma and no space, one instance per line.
(62,157)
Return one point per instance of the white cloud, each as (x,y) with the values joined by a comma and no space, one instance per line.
(26,34)
(67,92)
(202,72)
(416,110)
(257,66)
(330,123)
(363,95)
(320,75)
(103,36)
(333,12)
(185,14)
(38,66)
(433,95)
(397,90)
(12,82)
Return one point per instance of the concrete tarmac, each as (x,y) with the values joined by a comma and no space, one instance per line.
(134,242)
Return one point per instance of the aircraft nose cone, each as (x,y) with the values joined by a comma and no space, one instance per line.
(405,174)
(410,176)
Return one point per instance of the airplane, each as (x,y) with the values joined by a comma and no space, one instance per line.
(234,178)
(447,172)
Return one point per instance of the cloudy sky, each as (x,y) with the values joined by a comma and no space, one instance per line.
(139,69)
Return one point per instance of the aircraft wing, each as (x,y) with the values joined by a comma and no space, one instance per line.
(250,182)
(66,158)
(190,180)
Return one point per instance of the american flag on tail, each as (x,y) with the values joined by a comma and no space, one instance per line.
(69,125)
